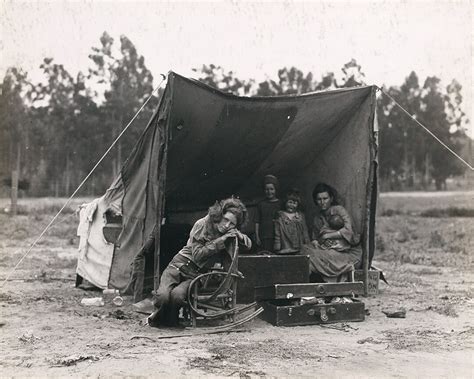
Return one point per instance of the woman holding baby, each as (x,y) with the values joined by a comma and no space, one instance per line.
(335,247)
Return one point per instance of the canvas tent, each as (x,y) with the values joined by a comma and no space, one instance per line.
(202,145)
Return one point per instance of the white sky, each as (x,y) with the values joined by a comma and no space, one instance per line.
(389,39)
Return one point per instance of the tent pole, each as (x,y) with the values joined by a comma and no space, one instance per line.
(371,200)
(162,129)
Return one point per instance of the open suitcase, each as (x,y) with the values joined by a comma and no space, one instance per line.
(310,303)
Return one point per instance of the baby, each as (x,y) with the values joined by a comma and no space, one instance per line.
(335,223)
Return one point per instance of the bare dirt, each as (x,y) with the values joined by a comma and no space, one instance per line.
(45,331)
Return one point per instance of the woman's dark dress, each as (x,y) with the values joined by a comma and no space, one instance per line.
(331,263)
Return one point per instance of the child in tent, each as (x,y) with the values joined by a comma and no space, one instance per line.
(266,213)
(291,232)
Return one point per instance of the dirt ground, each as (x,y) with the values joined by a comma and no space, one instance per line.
(427,261)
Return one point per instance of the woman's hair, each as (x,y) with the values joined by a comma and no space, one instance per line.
(323,187)
(232,205)
(293,194)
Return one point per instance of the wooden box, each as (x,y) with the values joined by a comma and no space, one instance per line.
(286,313)
(267,270)
(374,279)
(283,304)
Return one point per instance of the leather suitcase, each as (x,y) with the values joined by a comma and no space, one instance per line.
(283,305)
(279,313)
(267,270)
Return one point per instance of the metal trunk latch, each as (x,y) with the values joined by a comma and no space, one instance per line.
(323,315)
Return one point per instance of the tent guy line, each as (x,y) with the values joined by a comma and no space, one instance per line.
(50,227)
(427,130)
(82,183)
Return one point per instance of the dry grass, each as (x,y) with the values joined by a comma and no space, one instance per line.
(431,204)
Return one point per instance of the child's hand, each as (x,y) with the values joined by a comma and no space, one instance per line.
(315,243)
(257,241)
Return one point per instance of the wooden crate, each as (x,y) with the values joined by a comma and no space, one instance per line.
(374,280)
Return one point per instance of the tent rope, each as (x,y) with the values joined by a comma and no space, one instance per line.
(83,181)
(427,130)
(51,227)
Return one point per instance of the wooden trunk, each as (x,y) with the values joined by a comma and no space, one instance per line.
(287,313)
(267,270)
(296,304)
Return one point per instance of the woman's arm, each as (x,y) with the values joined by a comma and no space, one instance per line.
(201,249)
(331,235)
(346,232)
(244,241)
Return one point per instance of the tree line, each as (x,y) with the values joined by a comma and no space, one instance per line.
(54,131)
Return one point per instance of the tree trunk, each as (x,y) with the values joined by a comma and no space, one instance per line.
(15,176)
(427,173)
(67,175)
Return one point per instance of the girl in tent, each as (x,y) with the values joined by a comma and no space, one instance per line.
(291,232)
(266,213)
(332,252)
(205,247)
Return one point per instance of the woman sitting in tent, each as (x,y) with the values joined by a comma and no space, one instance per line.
(334,249)
(205,247)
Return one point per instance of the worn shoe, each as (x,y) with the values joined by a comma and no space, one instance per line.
(144,306)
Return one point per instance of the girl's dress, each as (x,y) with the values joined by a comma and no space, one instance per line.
(290,233)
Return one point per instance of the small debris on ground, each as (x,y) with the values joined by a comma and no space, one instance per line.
(369,340)
(28,337)
(93,302)
(72,360)
(119,314)
(395,313)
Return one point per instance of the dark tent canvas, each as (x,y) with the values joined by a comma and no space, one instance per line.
(202,145)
